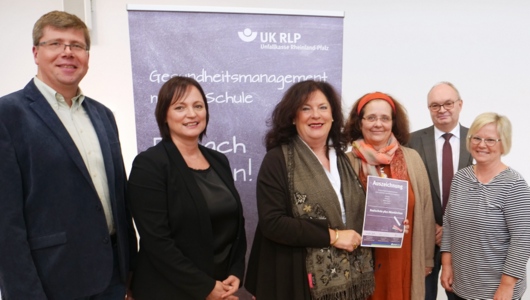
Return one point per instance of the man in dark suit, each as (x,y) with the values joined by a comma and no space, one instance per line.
(444,104)
(64,229)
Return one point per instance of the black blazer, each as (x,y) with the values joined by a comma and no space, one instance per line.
(423,142)
(277,261)
(175,260)
(54,239)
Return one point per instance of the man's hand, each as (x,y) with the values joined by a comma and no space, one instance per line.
(439,231)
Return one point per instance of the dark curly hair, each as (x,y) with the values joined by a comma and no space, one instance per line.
(282,130)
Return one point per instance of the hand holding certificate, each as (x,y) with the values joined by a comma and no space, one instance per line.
(385,212)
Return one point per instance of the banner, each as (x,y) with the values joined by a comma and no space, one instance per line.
(244,60)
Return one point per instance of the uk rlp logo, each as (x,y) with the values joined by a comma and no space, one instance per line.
(247,35)
(269,37)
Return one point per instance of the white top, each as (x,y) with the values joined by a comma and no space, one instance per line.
(333,176)
(334,179)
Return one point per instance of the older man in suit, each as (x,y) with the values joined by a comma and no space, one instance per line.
(445,136)
(65,232)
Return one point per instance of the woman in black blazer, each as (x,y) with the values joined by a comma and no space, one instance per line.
(185,206)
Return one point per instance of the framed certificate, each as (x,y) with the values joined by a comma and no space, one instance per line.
(385,211)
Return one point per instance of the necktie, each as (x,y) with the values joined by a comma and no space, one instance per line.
(447,168)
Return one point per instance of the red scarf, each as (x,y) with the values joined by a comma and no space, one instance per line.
(388,155)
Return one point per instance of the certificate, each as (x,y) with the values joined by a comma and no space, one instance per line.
(384,213)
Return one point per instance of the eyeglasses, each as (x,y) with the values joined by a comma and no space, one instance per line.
(447,105)
(374,118)
(60,46)
(475,140)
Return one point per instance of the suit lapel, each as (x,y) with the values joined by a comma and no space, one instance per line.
(42,108)
(192,187)
(465,158)
(429,148)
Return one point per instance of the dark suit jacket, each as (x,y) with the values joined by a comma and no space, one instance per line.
(175,260)
(54,240)
(423,142)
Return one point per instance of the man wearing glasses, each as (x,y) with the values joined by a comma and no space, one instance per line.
(64,230)
(442,148)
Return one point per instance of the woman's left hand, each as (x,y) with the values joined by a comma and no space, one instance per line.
(406,226)
(446,279)
(128,295)
(505,289)
(503,293)
(233,283)
(428,271)
(128,292)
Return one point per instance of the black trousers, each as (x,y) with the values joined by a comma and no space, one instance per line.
(459,298)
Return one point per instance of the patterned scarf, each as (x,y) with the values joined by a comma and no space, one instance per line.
(389,155)
(336,274)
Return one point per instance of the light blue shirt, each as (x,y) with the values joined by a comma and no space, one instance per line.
(77,122)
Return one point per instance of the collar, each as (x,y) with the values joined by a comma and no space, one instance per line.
(438,133)
(54,98)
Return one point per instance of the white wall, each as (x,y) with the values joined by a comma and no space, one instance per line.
(401,48)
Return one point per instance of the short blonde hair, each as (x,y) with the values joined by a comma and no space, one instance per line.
(504,129)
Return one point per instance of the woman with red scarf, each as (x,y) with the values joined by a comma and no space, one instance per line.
(377,129)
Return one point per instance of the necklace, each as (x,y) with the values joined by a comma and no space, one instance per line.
(382,171)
